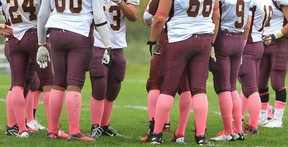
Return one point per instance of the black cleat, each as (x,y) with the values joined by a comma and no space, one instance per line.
(239,136)
(166,127)
(12,131)
(150,131)
(202,140)
(250,130)
(96,131)
(109,131)
(156,138)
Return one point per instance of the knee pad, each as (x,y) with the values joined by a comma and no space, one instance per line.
(281,95)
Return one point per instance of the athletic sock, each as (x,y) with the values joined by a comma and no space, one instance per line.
(108,106)
(236,111)
(97,109)
(163,106)
(200,107)
(73,108)
(54,104)
(226,106)
(184,112)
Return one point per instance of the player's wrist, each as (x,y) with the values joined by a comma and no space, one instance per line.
(277,35)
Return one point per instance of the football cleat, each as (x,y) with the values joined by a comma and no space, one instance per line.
(156,138)
(221,136)
(39,126)
(60,135)
(262,121)
(96,131)
(166,127)
(80,137)
(24,134)
(150,131)
(274,124)
(271,111)
(202,140)
(250,130)
(178,139)
(109,131)
(12,131)
(239,136)
(32,125)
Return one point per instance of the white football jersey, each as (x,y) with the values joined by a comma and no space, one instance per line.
(116,25)
(72,15)
(261,12)
(22,14)
(234,14)
(189,19)
(277,20)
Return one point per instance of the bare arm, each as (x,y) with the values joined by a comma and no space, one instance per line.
(42,19)
(247,28)
(129,11)
(284,30)
(216,19)
(160,19)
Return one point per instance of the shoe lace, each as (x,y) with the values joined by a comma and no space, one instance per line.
(97,131)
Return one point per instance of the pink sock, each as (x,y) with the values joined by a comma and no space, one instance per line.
(184,112)
(73,108)
(36,96)
(46,95)
(108,106)
(163,106)
(254,106)
(29,102)
(97,109)
(236,111)
(279,105)
(18,103)
(200,108)
(226,107)
(54,106)
(264,105)
(11,120)
(244,101)
(152,100)
(168,118)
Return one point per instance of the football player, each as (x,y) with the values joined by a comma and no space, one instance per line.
(274,65)
(188,48)
(71,40)
(260,14)
(154,83)
(106,79)
(22,47)
(229,47)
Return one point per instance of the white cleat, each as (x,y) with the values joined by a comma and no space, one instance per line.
(262,122)
(23,135)
(39,126)
(32,124)
(274,124)
(222,137)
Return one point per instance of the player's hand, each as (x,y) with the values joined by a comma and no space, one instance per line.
(117,1)
(212,54)
(43,56)
(6,30)
(151,44)
(267,40)
(107,57)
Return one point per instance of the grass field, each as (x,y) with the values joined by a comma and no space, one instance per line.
(129,117)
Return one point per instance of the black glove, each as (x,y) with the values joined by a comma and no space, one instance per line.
(151,43)
(107,57)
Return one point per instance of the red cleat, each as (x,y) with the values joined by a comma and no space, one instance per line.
(145,139)
(80,137)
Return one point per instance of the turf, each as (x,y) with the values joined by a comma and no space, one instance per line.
(129,117)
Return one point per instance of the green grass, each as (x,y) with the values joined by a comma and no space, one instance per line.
(133,122)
